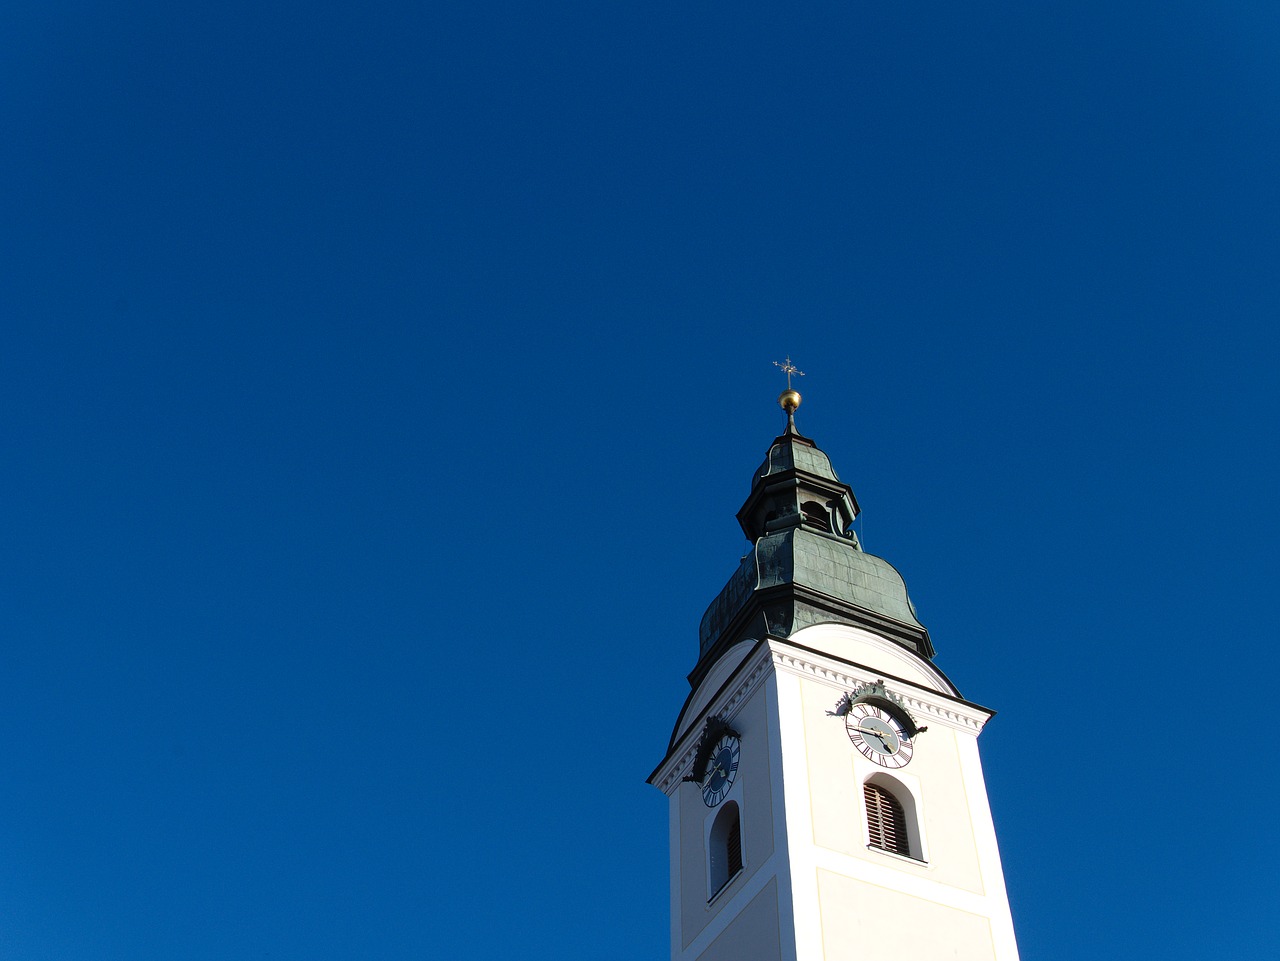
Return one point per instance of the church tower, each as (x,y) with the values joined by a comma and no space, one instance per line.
(825,791)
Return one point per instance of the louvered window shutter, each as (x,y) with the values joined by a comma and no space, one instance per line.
(886,821)
(733,847)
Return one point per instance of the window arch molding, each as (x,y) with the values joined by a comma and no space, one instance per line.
(911,843)
(724,848)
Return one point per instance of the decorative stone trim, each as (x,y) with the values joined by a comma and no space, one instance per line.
(925,705)
(921,703)
(752,673)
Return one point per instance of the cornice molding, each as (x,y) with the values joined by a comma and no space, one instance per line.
(842,676)
(751,673)
(926,706)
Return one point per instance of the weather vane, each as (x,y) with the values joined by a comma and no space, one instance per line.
(788,368)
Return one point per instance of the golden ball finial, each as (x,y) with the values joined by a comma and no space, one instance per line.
(789,399)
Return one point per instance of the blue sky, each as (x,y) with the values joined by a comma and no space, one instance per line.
(379,384)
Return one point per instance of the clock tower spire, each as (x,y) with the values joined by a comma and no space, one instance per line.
(826,797)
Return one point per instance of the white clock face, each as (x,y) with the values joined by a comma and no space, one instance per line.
(878,735)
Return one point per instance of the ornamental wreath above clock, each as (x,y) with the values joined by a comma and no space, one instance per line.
(715,763)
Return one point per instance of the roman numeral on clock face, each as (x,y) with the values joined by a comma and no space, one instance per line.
(878,735)
(722,770)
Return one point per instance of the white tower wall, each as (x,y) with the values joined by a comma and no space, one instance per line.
(811,887)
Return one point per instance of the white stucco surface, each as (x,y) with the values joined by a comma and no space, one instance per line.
(808,871)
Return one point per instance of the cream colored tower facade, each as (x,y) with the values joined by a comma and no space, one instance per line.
(826,796)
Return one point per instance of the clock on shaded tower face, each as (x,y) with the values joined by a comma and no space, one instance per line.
(878,735)
(722,770)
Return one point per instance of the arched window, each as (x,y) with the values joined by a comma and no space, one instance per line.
(724,848)
(886,820)
(816,515)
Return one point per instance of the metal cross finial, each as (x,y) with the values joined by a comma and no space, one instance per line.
(788,368)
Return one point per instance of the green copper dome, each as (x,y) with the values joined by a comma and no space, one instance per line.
(805,565)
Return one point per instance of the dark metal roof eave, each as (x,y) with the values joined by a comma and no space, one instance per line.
(875,621)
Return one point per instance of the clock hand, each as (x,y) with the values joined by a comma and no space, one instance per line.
(883,735)
(888,746)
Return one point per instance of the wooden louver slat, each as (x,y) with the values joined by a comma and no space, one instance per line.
(733,848)
(886,820)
